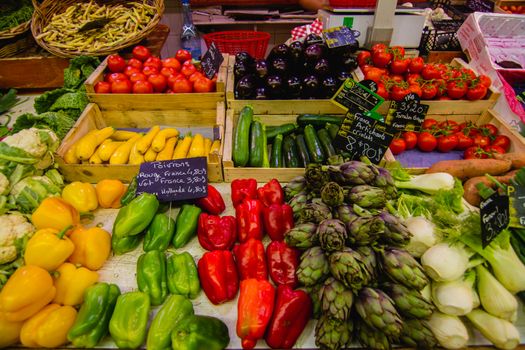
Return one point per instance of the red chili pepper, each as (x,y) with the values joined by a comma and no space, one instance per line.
(283,261)
(254,310)
(277,218)
(251,260)
(215,232)
(292,312)
(243,189)
(212,203)
(218,276)
(271,193)
(249,220)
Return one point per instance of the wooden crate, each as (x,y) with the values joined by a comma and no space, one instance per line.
(499,4)
(94,117)
(325,106)
(126,102)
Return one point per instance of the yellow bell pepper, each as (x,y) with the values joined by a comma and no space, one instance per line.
(49,327)
(9,331)
(109,193)
(54,212)
(92,247)
(71,284)
(26,292)
(80,195)
(48,249)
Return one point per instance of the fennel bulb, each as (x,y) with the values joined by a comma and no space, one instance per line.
(444,262)
(423,235)
(449,331)
(494,298)
(428,183)
(500,332)
(453,298)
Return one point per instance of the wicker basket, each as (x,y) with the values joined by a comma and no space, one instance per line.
(45,11)
(12,32)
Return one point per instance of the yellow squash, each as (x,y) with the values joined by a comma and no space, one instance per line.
(123,135)
(87,145)
(121,154)
(54,212)
(215,147)
(197,147)
(71,283)
(95,159)
(106,149)
(160,139)
(182,148)
(81,195)
(9,331)
(92,247)
(70,156)
(109,192)
(167,152)
(135,157)
(48,248)
(207,146)
(145,141)
(150,155)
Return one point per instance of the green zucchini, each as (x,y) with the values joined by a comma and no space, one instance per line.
(326,142)
(276,158)
(257,144)
(266,160)
(290,152)
(302,151)
(241,137)
(317,120)
(285,129)
(332,130)
(314,145)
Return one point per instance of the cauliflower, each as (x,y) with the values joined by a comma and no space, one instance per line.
(36,142)
(30,191)
(13,228)
(4,184)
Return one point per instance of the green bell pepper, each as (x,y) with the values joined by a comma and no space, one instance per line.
(121,245)
(174,309)
(159,233)
(130,320)
(133,218)
(182,275)
(186,225)
(91,324)
(151,276)
(130,192)
(200,332)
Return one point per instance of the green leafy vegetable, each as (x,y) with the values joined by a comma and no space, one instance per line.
(59,122)
(44,102)
(14,13)
(80,68)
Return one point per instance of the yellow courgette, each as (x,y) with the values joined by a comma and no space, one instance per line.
(197,147)
(70,157)
(121,154)
(160,139)
(123,135)
(95,159)
(215,147)
(87,144)
(134,156)
(150,155)
(207,146)
(167,152)
(145,141)
(106,149)
(182,148)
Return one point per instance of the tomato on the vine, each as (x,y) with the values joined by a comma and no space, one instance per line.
(426,142)
(429,123)
(476,92)
(416,65)
(494,149)
(413,78)
(502,141)
(456,89)
(464,141)
(373,74)
(468,73)
(449,126)
(397,146)
(364,57)
(428,91)
(489,129)
(430,72)
(416,89)
(382,91)
(481,140)
(475,152)
(410,138)
(398,51)
(398,93)
(399,66)
(381,59)
(379,47)
(485,80)
(447,143)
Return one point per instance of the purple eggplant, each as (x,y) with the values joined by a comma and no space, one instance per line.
(329,86)
(313,53)
(245,88)
(261,68)
(275,86)
(343,75)
(244,57)
(261,93)
(294,87)
(313,39)
(296,50)
(322,67)
(310,86)
(240,69)
(279,66)
(280,51)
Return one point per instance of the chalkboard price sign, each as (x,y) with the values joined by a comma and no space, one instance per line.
(356,98)
(408,114)
(494,213)
(211,61)
(516,206)
(174,180)
(340,36)
(361,135)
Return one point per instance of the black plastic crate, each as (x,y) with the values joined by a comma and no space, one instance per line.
(440,38)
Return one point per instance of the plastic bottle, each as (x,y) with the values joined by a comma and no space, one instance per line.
(189,37)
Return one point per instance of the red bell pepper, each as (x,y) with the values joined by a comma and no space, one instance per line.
(271,193)
(277,218)
(215,232)
(212,203)
(283,261)
(254,310)
(243,189)
(292,312)
(249,220)
(218,276)
(251,260)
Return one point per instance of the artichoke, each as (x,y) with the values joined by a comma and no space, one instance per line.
(315,212)
(370,260)
(385,180)
(332,194)
(336,159)
(313,292)
(296,185)
(332,333)
(416,334)
(348,266)
(302,236)
(401,267)
(371,338)
(353,173)
(313,267)
(367,196)
(345,213)
(336,299)
(298,202)
(316,177)
(378,311)
(332,235)
(365,230)
(396,233)
(409,302)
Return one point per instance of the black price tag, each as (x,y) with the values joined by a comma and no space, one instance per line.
(516,206)
(174,180)
(211,61)
(356,98)
(494,213)
(407,115)
(361,135)
(369,84)
(340,36)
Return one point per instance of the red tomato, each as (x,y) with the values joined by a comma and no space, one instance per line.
(447,143)
(481,140)
(167,71)
(130,70)
(149,70)
(426,142)
(441,87)
(171,79)
(410,138)
(365,68)
(430,72)
(103,87)
(116,63)
(489,129)
(456,89)
(398,51)
(413,78)
(474,152)
(195,76)
(203,84)
(121,86)
(171,62)
(476,92)
(137,76)
(142,87)
(153,62)
(188,70)
(416,65)
(398,78)
(159,82)
(429,124)
(485,80)
(182,86)
(502,141)
(416,89)
(133,62)
(449,126)
(381,59)
(379,47)
(494,149)
(116,76)
(183,55)
(397,146)
(428,91)
(468,73)
(381,91)
(464,141)
(141,53)
(399,66)
(374,74)
(364,57)
(397,93)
